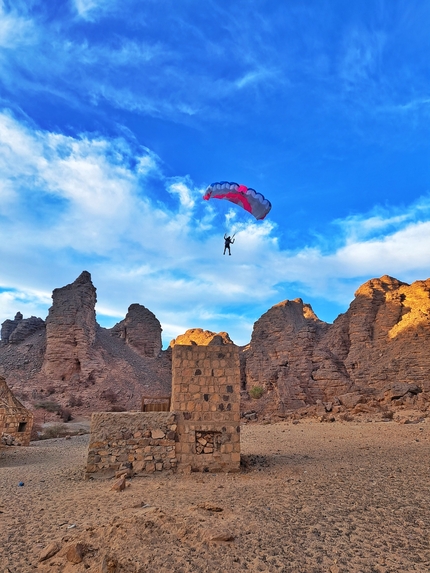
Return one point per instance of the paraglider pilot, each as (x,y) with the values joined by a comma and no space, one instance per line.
(227,242)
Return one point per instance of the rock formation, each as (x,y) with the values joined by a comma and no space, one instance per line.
(71,332)
(279,356)
(74,363)
(201,337)
(17,330)
(373,355)
(377,350)
(141,330)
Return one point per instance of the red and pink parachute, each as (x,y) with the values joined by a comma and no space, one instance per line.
(253,202)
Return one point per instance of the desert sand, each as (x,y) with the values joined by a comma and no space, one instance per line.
(341,497)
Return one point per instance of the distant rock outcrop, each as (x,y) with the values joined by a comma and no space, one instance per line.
(74,363)
(279,356)
(141,329)
(380,344)
(201,337)
(71,332)
(375,355)
(17,330)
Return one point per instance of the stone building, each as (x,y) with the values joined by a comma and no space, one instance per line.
(206,399)
(200,433)
(16,421)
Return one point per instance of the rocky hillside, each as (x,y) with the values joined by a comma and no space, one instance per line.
(69,362)
(375,356)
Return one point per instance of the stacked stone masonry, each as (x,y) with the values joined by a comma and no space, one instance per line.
(143,442)
(16,421)
(201,433)
(206,398)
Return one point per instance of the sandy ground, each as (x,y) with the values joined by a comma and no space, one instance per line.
(316,497)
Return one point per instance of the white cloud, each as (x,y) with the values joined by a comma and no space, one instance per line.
(184,193)
(15,30)
(70,203)
(28,302)
(254,77)
(87,8)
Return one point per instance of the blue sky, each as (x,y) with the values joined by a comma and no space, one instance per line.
(115,115)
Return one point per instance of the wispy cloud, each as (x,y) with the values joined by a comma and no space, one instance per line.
(90,9)
(16,30)
(89,196)
(291,95)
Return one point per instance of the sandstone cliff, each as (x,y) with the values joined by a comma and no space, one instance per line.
(20,328)
(140,329)
(71,362)
(375,355)
(71,333)
(201,337)
(279,356)
(376,352)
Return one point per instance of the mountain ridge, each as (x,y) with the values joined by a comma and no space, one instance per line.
(373,357)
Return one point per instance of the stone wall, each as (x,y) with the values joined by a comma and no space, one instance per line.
(206,398)
(143,442)
(202,433)
(16,421)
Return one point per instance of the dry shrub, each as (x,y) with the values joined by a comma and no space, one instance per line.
(56,431)
(256,392)
(65,414)
(37,428)
(48,405)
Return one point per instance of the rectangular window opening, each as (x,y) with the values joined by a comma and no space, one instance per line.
(207,442)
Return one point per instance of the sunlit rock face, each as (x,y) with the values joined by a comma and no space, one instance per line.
(201,337)
(387,334)
(71,331)
(279,356)
(380,342)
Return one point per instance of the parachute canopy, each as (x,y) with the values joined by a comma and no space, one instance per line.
(253,202)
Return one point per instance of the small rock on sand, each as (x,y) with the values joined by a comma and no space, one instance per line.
(49,551)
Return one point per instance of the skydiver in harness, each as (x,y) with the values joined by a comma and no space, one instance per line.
(227,242)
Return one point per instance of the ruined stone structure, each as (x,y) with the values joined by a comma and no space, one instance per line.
(206,397)
(201,433)
(142,442)
(16,421)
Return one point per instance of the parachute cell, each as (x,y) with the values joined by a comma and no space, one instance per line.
(246,197)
